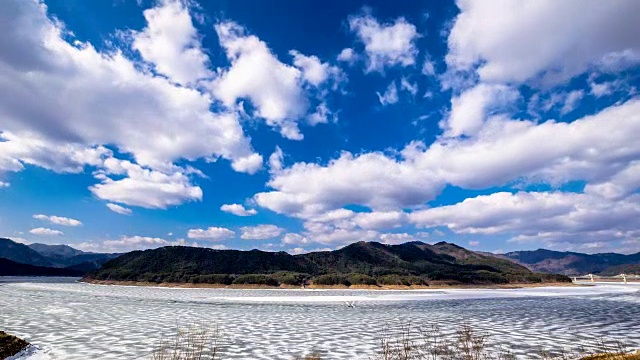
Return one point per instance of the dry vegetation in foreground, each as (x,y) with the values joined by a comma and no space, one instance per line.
(201,342)
(194,342)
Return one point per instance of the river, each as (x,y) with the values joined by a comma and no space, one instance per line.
(69,320)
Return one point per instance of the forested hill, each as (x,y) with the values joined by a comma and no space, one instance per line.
(368,263)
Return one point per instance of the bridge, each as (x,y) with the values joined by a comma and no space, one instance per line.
(623,278)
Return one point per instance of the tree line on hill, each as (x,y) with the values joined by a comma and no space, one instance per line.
(362,263)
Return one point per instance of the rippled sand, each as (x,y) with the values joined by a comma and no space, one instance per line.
(69,320)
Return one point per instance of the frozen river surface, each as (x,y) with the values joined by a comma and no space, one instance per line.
(70,320)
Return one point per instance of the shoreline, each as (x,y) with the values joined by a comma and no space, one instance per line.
(329,287)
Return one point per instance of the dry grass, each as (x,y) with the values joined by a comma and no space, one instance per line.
(194,342)
(613,356)
(404,342)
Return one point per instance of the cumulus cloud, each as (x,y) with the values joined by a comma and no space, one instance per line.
(130,243)
(238,210)
(143,187)
(470,109)
(347,55)
(500,154)
(382,182)
(380,220)
(260,232)
(281,93)
(386,44)
(497,38)
(274,88)
(276,159)
(550,217)
(4,184)
(294,239)
(119,209)
(212,233)
(115,102)
(396,238)
(58,220)
(619,185)
(315,72)
(46,232)
(171,43)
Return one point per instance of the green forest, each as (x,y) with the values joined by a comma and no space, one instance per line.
(362,263)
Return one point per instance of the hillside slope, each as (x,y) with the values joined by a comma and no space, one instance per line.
(358,263)
(22,253)
(57,256)
(12,268)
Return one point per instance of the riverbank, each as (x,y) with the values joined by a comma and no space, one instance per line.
(433,286)
(11,345)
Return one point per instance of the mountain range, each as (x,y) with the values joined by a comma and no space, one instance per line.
(541,260)
(51,257)
(573,263)
(361,263)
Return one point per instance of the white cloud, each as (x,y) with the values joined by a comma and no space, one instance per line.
(238,210)
(281,93)
(428,67)
(130,243)
(248,164)
(115,101)
(380,220)
(4,184)
(619,185)
(550,217)
(315,72)
(144,187)
(172,44)
(396,238)
(260,232)
(470,109)
(516,41)
(341,236)
(500,154)
(274,88)
(19,240)
(347,55)
(571,101)
(276,159)
(408,86)
(212,233)
(297,251)
(390,95)
(36,150)
(119,209)
(58,220)
(46,232)
(293,238)
(322,115)
(306,189)
(602,89)
(386,45)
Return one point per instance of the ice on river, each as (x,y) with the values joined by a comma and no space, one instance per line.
(70,320)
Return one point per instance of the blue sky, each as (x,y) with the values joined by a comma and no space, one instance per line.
(285,125)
